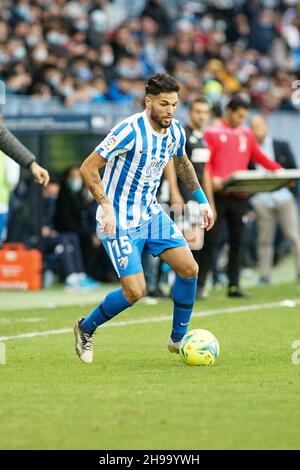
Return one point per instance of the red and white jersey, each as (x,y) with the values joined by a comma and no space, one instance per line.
(232,149)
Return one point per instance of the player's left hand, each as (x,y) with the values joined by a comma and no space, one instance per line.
(208,216)
(41,175)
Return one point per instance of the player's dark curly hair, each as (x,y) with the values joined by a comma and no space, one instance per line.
(161,83)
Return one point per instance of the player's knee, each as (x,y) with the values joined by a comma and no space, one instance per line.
(134,293)
(191,270)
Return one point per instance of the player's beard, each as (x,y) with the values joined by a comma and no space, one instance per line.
(155,117)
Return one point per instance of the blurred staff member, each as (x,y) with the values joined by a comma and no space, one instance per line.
(232,148)
(12,147)
(198,152)
(188,217)
(197,149)
(276,206)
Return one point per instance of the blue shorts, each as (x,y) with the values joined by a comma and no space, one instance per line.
(155,236)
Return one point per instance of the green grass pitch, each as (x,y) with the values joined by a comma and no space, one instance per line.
(136,395)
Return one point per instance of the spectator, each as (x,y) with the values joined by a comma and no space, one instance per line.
(62,250)
(53,42)
(277,206)
(155,10)
(262,32)
(69,218)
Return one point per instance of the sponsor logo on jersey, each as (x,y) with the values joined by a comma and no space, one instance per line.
(154,169)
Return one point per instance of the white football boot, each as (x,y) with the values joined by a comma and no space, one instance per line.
(83,343)
(173,347)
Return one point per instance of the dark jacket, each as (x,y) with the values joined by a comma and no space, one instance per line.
(12,147)
(69,209)
(284,156)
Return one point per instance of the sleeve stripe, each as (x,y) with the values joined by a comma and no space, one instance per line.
(118,129)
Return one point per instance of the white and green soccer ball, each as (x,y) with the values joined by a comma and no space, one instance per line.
(199,348)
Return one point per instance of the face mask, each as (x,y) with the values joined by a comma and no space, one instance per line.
(32,40)
(107,59)
(55,38)
(150,51)
(68,90)
(207,23)
(4,59)
(127,72)
(54,81)
(24,12)
(19,53)
(99,21)
(81,25)
(40,55)
(84,73)
(75,184)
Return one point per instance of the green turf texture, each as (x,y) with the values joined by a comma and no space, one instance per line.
(136,395)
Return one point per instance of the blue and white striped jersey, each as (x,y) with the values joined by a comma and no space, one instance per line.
(136,157)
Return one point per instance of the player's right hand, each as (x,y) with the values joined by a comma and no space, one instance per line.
(108,225)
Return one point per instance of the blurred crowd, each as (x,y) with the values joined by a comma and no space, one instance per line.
(91,50)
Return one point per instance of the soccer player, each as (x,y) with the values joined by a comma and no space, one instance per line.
(131,221)
(12,147)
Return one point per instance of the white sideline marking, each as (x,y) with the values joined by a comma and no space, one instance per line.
(244,308)
(9,321)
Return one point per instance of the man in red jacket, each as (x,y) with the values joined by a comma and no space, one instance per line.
(232,147)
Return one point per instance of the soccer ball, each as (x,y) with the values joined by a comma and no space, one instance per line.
(199,348)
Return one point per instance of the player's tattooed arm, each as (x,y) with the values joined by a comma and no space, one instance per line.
(90,174)
(186,172)
(94,189)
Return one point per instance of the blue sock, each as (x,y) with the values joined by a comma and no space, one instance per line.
(114,303)
(183,295)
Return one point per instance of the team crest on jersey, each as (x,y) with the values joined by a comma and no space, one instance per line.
(123,262)
(154,168)
(111,142)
